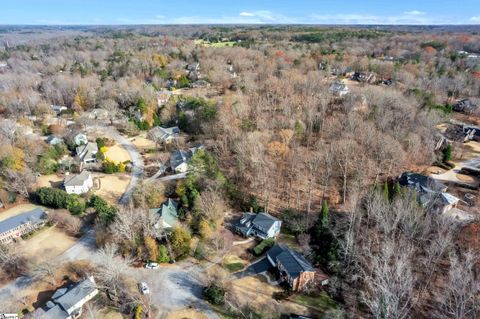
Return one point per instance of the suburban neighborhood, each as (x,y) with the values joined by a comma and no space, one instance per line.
(250,171)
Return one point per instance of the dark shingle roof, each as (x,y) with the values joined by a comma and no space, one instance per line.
(76,293)
(33,216)
(264,221)
(421,182)
(293,262)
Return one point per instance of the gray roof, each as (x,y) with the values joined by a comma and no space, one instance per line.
(168,212)
(34,216)
(87,151)
(264,221)
(76,179)
(338,87)
(179,156)
(163,133)
(76,293)
(293,262)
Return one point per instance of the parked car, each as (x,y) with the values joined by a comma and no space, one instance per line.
(151,265)
(144,288)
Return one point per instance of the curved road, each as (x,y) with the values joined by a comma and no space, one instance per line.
(137,160)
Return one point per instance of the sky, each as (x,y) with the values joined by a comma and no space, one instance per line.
(122,12)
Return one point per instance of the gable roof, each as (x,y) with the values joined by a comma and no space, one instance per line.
(76,293)
(87,151)
(421,182)
(293,262)
(168,212)
(264,220)
(77,179)
(179,157)
(34,216)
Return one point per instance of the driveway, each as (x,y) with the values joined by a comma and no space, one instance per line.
(137,160)
(82,249)
(176,287)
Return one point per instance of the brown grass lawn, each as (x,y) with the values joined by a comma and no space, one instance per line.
(117,153)
(45,245)
(259,294)
(186,314)
(111,187)
(53,180)
(141,142)
(15,210)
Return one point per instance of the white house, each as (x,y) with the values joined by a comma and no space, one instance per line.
(78,183)
(68,302)
(54,140)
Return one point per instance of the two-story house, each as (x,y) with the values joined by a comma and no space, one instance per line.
(260,225)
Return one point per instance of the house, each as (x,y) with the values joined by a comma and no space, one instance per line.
(163,97)
(21,224)
(294,269)
(420,182)
(168,214)
(179,159)
(431,193)
(260,225)
(339,89)
(67,303)
(193,71)
(163,134)
(58,109)
(80,139)
(78,183)
(87,153)
(98,114)
(54,140)
(465,106)
(363,77)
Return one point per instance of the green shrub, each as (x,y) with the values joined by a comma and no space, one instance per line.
(163,256)
(263,246)
(105,212)
(57,198)
(214,294)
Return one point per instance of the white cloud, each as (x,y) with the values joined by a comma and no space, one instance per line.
(415,13)
(355,18)
(475,19)
(247,14)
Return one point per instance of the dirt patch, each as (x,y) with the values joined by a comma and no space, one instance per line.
(435,170)
(466,178)
(111,187)
(141,142)
(53,180)
(13,211)
(45,245)
(117,153)
(186,314)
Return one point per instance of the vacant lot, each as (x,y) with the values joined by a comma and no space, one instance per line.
(117,153)
(45,245)
(22,208)
(53,180)
(111,187)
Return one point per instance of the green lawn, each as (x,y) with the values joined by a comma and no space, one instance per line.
(321,302)
(215,44)
(233,263)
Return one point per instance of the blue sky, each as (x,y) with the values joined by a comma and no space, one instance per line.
(239,11)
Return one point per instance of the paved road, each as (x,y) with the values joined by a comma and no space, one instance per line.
(173,177)
(136,157)
(176,287)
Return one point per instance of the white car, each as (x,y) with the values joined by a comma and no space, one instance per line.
(144,288)
(151,265)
